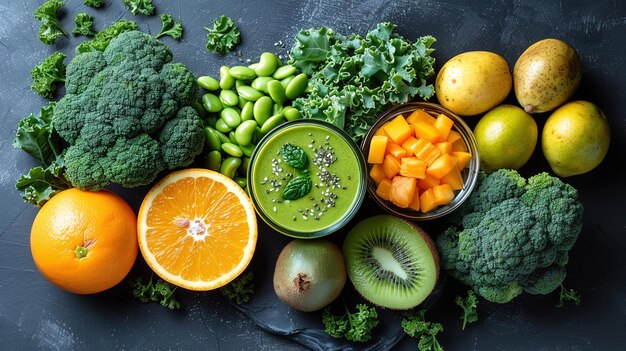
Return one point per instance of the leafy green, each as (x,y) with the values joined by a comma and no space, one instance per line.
(94,3)
(356,326)
(352,79)
(145,7)
(294,156)
(50,29)
(240,290)
(224,35)
(570,295)
(104,37)
(161,291)
(416,326)
(171,27)
(84,22)
(36,137)
(48,72)
(298,186)
(468,305)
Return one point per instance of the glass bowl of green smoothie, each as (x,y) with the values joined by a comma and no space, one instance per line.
(307,178)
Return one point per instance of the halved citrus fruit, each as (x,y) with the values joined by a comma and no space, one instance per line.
(197,229)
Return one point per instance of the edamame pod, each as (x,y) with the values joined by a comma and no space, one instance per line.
(231,117)
(222,126)
(276,91)
(229,98)
(249,93)
(226,80)
(291,113)
(271,123)
(212,140)
(229,166)
(242,73)
(284,72)
(247,111)
(263,109)
(260,83)
(232,149)
(244,132)
(213,160)
(297,86)
(267,64)
(211,103)
(208,83)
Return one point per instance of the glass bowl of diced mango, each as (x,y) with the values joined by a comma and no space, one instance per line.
(422,161)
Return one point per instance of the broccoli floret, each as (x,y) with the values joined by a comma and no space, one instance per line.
(512,235)
(127,114)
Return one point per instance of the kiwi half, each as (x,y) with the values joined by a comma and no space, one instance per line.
(391,262)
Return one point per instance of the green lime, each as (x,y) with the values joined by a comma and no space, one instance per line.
(506,138)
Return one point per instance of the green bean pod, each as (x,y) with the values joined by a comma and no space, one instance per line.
(211,103)
(213,160)
(208,83)
(226,80)
(229,166)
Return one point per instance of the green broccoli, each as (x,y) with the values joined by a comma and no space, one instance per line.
(127,114)
(50,29)
(513,236)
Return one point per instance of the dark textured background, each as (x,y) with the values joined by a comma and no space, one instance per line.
(34,315)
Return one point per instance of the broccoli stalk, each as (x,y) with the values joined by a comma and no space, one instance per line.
(512,235)
(355,326)
(50,29)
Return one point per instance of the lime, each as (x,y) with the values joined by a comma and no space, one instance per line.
(506,138)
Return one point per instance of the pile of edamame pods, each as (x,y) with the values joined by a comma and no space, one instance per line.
(244,105)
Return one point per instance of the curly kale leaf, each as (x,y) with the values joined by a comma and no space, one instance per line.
(161,291)
(468,305)
(94,3)
(145,7)
(415,325)
(223,36)
(47,73)
(570,295)
(104,37)
(352,79)
(171,27)
(84,24)
(50,29)
(35,135)
(355,326)
(240,290)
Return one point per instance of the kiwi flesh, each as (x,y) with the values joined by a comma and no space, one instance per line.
(392,263)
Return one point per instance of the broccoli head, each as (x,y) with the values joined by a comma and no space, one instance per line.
(512,235)
(127,114)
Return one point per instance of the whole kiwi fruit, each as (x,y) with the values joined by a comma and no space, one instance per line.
(309,274)
(546,75)
(392,263)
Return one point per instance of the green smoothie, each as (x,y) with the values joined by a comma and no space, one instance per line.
(334,166)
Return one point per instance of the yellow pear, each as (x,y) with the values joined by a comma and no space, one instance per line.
(546,75)
(575,138)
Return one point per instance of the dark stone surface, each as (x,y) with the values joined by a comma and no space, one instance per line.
(34,315)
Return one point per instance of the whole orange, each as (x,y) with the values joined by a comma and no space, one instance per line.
(84,242)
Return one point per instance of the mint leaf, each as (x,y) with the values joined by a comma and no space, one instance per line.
(294,156)
(298,186)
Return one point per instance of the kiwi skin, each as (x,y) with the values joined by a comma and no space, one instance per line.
(309,274)
(361,279)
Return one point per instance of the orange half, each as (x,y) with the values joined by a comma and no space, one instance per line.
(197,229)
